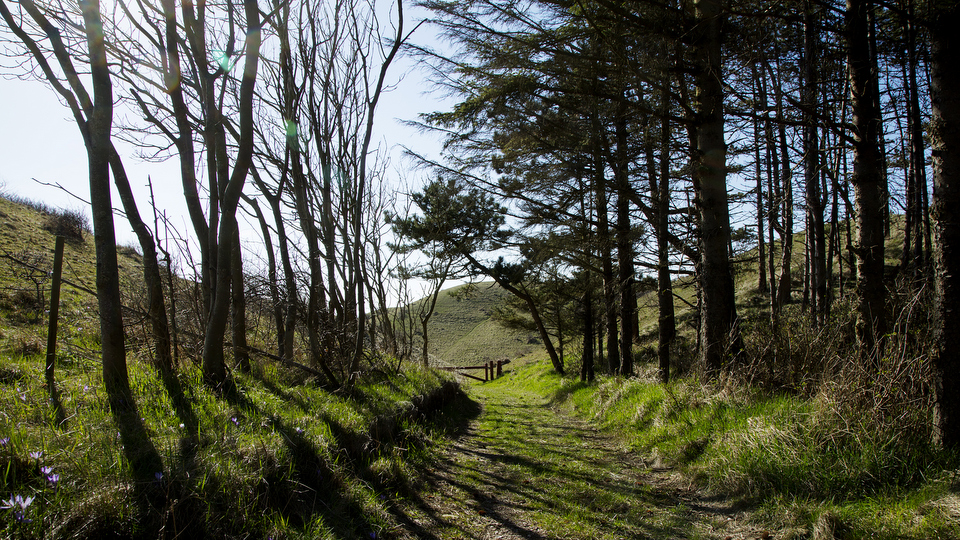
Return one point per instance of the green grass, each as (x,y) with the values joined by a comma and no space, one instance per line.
(527,469)
(278,456)
(275,456)
(790,458)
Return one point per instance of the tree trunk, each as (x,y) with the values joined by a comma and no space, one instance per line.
(773,172)
(273,283)
(918,173)
(625,265)
(100,121)
(866,179)
(185,133)
(667,326)
(762,286)
(785,284)
(945,140)
(815,231)
(156,308)
(214,370)
(718,326)
(238,306)
(606,251)
(586,365)
(531,306)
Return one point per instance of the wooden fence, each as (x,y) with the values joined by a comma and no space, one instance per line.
(491,370)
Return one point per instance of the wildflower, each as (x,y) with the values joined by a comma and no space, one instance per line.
(4,442)
(235,421)
(51,476)
(299,431)
(17,501)
(19,504)
(159,476)
(36,455)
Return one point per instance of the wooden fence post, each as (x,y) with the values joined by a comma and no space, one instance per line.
(54,312)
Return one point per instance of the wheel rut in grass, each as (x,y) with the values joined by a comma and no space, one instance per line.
(524,469)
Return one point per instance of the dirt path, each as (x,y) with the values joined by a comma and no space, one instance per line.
(524,470)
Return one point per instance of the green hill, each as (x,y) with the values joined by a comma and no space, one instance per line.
(462,332)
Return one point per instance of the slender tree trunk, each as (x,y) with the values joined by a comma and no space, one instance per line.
(881,142)
(762,286)
(273,284)
(866,179)
(173,79)
(214,369)
(238,306)
(815,231)
(625,265)
(785,285)
(100,121)
(425,316)
(606,266)
(555,359)
(917,160)
(586,366)
(317,310)
(156,308)
(773,173)
(667,330)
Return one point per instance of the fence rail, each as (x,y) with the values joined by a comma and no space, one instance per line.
(491,370)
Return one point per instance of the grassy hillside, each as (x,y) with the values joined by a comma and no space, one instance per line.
(27,238)
(273,455)
(463,333)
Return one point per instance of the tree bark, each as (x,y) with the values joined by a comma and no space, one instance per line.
(866,179)
(815,232)
(625,265)
(100,121)
(718,325)
(586,362)
(667,326)
(156,308)
(945,140)
(214,370)
(918,174)
(606,252)
(238,306)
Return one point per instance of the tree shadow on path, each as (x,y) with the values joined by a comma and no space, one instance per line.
(522,469)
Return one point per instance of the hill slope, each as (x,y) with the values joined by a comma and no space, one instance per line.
(462,332)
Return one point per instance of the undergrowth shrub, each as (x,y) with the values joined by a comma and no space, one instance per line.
(804,413)
(862,425)
(69,223)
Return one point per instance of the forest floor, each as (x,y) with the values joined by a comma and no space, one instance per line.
(524,468)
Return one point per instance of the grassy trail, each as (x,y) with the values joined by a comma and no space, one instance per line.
(524,469)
